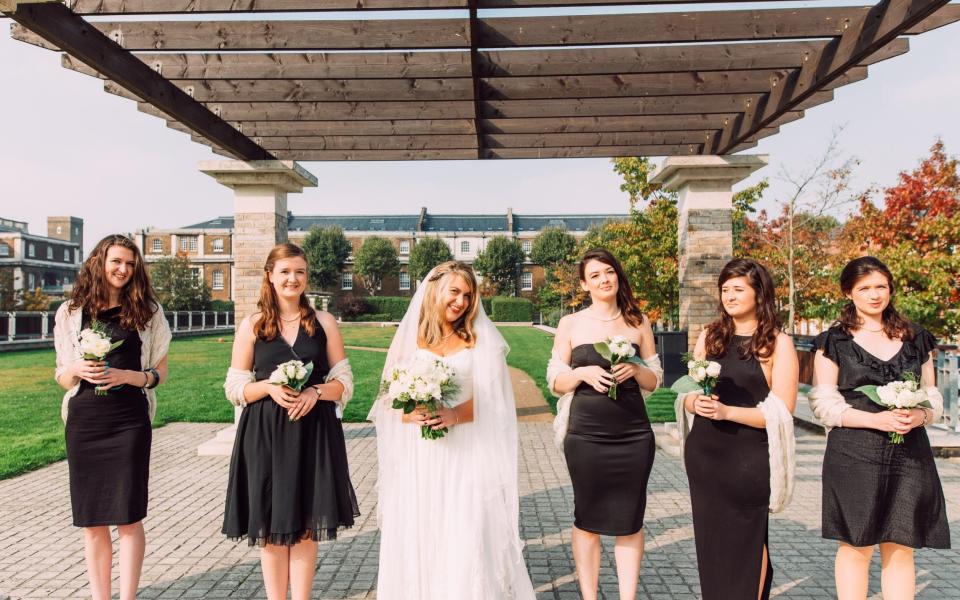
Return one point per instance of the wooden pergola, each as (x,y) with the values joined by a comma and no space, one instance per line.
(278,79)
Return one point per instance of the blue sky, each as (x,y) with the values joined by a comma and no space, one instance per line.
(67,147)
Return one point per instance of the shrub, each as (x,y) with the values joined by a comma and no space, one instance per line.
(392,306)
(54,305)
(487,306)
(352,306)
(222,305)
(507,310)
(369,318)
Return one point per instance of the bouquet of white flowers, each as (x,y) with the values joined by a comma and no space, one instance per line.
(617,349)
(292,374)
(95,344)
(701,374)
(897,394)
(425,383)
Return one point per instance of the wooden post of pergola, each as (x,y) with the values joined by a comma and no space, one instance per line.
(705,234)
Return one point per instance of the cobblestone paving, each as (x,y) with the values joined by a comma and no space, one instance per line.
(41,556)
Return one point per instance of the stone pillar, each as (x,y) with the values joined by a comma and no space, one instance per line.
(260,191)
(705,235)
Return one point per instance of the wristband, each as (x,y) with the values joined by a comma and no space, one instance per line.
(156,378)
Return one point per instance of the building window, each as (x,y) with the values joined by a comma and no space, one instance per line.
(66,255)
(218,279)
(346,281)
(31,250)
(157,245)
(526,281)
(188,243)
(197,273)
(218,244)
(404,246)
(464,247)
(4,250)
(404,280)
(31,281)
(527,246)
(49,252)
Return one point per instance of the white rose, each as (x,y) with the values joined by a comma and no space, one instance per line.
(691,365)
(102,347)
(713,369)
(700,374)
(301,372)
(887,395)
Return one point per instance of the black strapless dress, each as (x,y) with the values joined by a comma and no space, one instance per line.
(609,449)
(728,466)
(289,480)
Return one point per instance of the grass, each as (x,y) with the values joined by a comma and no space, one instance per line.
(367,336)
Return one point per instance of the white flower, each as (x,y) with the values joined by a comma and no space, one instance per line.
(887,395)
(700,374)
(691,365)
(713,369)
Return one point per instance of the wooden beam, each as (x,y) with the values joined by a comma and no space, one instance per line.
(377,155)
(371,142)
(340,111)
(336,128)
(326,90)
(586,140)
(592,152)
(882,24)
(603,124)
(56,24)
(500,32)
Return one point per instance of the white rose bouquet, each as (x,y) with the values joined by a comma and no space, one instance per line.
(292,374)
(95,344)
(701,374)
(617,349)
(424,384)
(895,395)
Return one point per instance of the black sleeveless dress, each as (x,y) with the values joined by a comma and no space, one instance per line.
(728,466)
(609,449)
(873,490)
(289,480)
(108,440)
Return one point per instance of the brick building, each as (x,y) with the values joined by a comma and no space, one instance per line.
(49,262)
(208,245)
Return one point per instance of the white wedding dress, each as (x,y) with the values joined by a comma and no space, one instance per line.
(448,509)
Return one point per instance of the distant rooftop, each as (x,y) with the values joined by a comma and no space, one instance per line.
(11,226)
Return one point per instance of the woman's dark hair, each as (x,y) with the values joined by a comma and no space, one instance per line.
(632,315)
(268,326)
(720,332)
(91,292)
(894,325)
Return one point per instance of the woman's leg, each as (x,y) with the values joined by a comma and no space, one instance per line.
(275,562)
(586,555)
(898,577)
(303,565)
(852,571)
(628,552)
(763,573)
(132,546)
(98,552)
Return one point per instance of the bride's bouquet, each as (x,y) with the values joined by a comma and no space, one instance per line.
(617,349)
(424,384)
(95,344)
(897,394)
(701,374)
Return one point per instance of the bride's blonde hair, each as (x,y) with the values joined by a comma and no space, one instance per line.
(429,330)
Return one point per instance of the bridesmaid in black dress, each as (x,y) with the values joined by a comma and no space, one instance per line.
(108,434)
(876,492)
(726,453)
(609,444)
(289,485)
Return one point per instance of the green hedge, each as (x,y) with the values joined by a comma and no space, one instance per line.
(487,306)
(507,310)
(392,306)
(371,318)
(222,305)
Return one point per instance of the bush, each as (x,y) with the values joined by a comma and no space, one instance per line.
(54,305)
(352,306)
(393,306)
(511,310)
(369,318)
(222,305)
(487,306)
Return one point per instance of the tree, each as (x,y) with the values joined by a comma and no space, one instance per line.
(916,233)
(426,254)
(795,242)
(498,263)
(375,259)
(176,285)
(553,249)
(34,300)
(327,250)
(9,296)
(635,172)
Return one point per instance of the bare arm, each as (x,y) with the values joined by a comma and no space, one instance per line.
(644,376)
(826,372)
(784,378)
(598,378)
(335,353)
(699,353)
(242,359)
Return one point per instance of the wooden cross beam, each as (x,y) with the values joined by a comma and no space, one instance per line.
(59,26)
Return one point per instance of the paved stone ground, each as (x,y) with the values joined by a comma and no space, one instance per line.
(41,556)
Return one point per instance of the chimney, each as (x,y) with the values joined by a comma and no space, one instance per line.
(510,219)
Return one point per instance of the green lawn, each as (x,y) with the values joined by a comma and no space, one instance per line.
(367,335)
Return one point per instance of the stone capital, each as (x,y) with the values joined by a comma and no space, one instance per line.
(678,171)
(282,175)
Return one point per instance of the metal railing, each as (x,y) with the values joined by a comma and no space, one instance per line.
(25,326)
(948,380)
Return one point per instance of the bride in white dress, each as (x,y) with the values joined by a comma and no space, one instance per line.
(448,509)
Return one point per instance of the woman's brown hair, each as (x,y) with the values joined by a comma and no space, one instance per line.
(629,308)
(894,325)
(721,331)
(267,326)
(429,327)
(91,292)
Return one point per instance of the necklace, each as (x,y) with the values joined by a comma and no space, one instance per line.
(605,320)
(872,330)
(290,320)
(745,333)
(444,337)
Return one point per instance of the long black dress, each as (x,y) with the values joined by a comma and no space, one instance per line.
(609,449)
(108,440)
(728,466)
(289,480)
(873,490)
